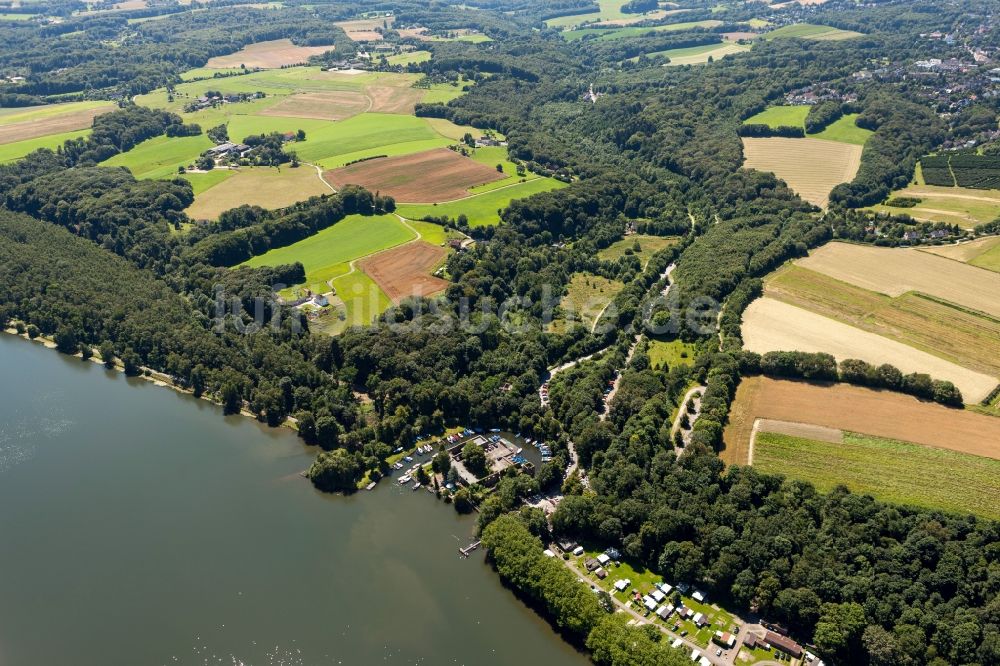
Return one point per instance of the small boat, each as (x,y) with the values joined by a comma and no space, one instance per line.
(494,429)
(416,486)
(408,458)
(398,465)
(406,478)
(370,486)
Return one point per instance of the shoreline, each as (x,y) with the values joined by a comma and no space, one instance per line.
(154,377)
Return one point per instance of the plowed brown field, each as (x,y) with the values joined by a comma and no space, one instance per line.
(432,176)
(405,271)
(856,409)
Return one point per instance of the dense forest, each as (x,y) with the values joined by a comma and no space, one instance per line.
(91,257)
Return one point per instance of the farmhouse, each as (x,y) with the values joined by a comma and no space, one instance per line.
(592,564)
(622,585)
(725,639)
(783,643)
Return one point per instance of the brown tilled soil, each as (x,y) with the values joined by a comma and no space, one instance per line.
(66,122)
(856,409)
(429,177)
(268,55)
(405,271)
(321,105)
(803,430)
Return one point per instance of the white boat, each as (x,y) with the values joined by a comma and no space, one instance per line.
(416,486)
(406,478)
(398,465)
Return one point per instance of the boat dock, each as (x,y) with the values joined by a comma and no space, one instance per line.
(464,552)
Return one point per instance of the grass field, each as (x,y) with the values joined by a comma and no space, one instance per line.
(856,409)
(954,205)
(810,31)
(413,57)
(955,334)
(585,299)
(160,156)
(887,469)
(811,167)
(670,353)
(977,252)
(368,135)
(481,209)
(844,129)
(696,55)
(267,187)
(895,271)
(327,258)
(609,10)
(606,34)
(203,181)
(780,116)
(648,246)
(18,149)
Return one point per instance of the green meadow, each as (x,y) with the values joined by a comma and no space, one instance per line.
(23,114)
(810,31)
(844,129)
(481,209)
(887,469)
(413,57)
(18,149)
(203,181)
(606,34)
(160,156)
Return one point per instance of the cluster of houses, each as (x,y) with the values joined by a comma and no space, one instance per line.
(213,99)
(815,94)
(227,150)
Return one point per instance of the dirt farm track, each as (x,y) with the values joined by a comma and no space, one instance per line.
(856,409)
(405,271)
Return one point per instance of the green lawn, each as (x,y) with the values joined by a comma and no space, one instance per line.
(367,135)
(844,129)
(700,54)
(202,181)
(21,114)
(668,354)
(207,73)
(810,31)
(414,57)
(326,257)
(989,260)
(890,470)
(648,246)
(442,93)
(780,116)
(606,34)
(160,156)
(481,209)
(18,149)
(16,17)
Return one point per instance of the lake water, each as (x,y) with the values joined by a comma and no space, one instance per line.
(138,526)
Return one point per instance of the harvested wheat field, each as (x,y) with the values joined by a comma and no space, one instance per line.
(365,30)
(405,271)
(856,409)
(267,55)
(394,99)
(73,119)
(811,167)
(429,177)
(259,186)
(772,325)
(957,334)
(338,105)
(811,431)
(965,252)
(894,271)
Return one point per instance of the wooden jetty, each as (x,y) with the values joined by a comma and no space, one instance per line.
(464,552)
